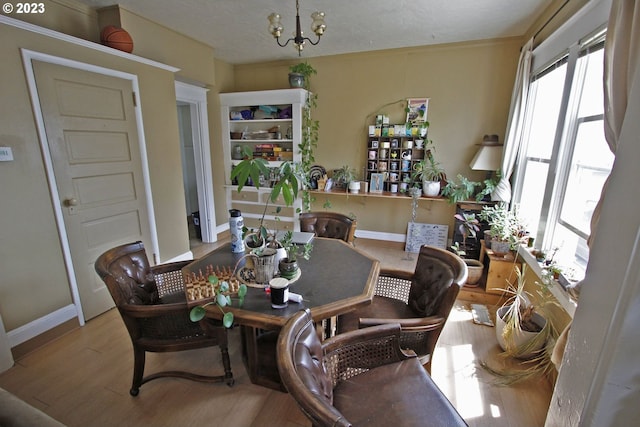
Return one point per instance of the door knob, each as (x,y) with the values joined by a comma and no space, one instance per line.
(70,202)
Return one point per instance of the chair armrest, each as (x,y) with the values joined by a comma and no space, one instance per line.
(352,353)
(156,310)
(423,324)
(400,274)
(171,266)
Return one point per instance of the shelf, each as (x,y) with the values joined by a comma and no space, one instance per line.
(383,195)
(261,121)
(262,141)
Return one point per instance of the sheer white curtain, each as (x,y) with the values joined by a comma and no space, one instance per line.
(621,62)
(515,124)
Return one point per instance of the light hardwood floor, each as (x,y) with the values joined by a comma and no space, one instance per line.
(83,378)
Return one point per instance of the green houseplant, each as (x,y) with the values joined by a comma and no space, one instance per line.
(221,297)
(299,75)
(430,173)
(343,176)
(503,226)
(286,180)
(525,331)
(458,191)
(288,266)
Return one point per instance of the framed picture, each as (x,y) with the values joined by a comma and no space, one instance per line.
(377,183)
(417,109)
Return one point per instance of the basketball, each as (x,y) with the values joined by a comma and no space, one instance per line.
(116,38)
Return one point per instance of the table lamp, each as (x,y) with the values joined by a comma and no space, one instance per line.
(489,156)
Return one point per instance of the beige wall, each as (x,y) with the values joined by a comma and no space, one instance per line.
(33,280)
(469,86)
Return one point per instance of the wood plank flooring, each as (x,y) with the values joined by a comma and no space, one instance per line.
(83,378)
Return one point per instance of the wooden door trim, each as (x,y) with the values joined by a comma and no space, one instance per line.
(196,97)
(28,56)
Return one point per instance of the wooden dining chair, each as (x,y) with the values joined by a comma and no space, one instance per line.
(361,378)
(420,301)
(153,306)
(329,224)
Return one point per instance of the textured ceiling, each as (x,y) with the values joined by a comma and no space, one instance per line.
(237,29)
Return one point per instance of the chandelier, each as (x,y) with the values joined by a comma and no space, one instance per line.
(317,26)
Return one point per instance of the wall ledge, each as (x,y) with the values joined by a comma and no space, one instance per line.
(558,292)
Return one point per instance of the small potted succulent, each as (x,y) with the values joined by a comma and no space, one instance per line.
(288,266)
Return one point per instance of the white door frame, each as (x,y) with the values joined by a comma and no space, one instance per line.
(27,57)
(196,97)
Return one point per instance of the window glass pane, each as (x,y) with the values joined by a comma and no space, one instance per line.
(572,254)
(544,120)
(591,163)
(535,177)
(592,99)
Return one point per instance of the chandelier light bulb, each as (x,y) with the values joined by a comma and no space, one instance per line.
(318,25)
(275,27)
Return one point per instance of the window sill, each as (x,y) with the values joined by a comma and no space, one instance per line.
(556,289)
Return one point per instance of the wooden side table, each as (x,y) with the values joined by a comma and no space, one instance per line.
(501,270)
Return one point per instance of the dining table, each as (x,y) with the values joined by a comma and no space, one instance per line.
(337,278)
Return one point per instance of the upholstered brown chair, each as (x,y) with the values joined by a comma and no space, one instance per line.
(359,378)
(420,301)
(329,224)
(153,306)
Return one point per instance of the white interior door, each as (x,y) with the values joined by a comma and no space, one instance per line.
(91,130)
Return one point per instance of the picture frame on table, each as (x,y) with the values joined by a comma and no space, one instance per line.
(376,184)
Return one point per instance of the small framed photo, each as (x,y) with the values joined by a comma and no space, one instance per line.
(417,109)
(377,183)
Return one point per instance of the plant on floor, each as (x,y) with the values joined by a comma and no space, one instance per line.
(221,295)
(525,331)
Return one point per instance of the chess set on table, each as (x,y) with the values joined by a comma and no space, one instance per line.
(198,287)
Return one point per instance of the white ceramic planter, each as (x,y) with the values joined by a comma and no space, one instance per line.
(354,186)
(431,188)
(519,338)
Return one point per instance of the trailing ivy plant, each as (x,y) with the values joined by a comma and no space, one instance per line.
(310,129)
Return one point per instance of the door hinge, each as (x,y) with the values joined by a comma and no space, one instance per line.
(135,102)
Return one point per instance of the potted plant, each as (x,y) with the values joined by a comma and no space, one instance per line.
(459,191)
(285,179)
(299,75)
(474,267)
(288,266)
(503,227)
(430,173)
(520,330)
(343,176)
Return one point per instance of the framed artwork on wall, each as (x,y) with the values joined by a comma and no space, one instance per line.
(377,183)
(417,109)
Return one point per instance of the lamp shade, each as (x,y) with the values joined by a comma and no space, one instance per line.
(488,158)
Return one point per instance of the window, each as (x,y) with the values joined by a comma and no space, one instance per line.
(564,158)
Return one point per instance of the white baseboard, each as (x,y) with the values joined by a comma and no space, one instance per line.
(41,325)
(377,235)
